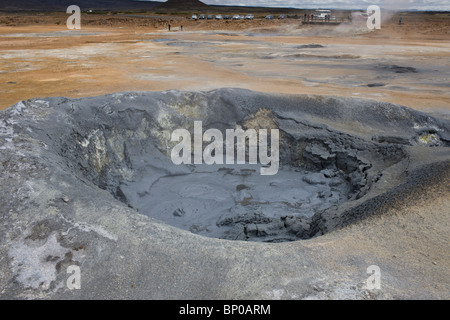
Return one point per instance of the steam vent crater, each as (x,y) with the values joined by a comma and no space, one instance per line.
(336,156)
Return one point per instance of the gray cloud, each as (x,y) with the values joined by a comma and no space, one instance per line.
(443,5)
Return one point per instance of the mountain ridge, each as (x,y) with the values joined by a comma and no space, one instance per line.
(50,5)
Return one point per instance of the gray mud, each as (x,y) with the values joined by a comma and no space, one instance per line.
(121,143)
(236,202)
(397,69)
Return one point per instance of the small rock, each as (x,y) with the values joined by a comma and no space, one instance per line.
(65,199)
(314,178)
(328,173)
(251,229)
(179,212)
(371,85)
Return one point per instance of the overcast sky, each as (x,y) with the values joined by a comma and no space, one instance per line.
(348,4)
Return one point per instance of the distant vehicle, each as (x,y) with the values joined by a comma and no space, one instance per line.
(194,17)
(219,17)
(249,17)
(210,17)
(236,17)
(241,17)
(282,16)
(269,17)
(321,14)
(227,17)
(202,17)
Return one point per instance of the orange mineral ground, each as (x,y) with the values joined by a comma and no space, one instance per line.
(405,64)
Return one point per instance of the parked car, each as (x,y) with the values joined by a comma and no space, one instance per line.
(249,17)
(282,16)
(236,17)
(269,17)
(194,17)
(227,17)
(210,17)
(202,17)
(219,17)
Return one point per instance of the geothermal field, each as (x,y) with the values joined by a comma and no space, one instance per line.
(340,159)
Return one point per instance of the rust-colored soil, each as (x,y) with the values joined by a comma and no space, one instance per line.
(40,57)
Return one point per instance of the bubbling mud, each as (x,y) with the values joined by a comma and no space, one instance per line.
(331,159)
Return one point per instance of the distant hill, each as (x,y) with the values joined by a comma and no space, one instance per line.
(184,6)
(53,5)
(181,5)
